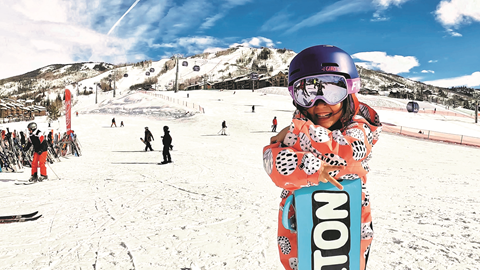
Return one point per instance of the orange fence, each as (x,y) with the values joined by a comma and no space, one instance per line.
(176,100)
(432,135)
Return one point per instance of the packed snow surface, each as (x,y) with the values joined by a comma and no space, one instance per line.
(215,207)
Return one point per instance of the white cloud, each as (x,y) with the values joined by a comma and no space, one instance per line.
(213,50)
(432,61)
(381,6)
(454,13)
(387,3)
(210,21)
(192,45)
(279,21)
(417,79)
(427,71)
(255,42)
(453,33)
(40,33)
(472,80)
(387,63)
(222,12)
(331,12)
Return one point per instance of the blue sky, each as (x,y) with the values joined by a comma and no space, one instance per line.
(434,41)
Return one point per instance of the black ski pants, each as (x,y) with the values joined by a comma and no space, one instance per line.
(166,154)
(148,146)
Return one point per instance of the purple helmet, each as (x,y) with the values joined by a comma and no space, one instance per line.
(324,59)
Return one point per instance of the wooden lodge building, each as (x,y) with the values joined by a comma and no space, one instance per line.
(18,110)
(243,82)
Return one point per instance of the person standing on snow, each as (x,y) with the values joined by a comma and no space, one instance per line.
(167,142)
(148,139)
(274,126)
(40,147)
(335,124)
(22,139)
(113,123)
(224,128)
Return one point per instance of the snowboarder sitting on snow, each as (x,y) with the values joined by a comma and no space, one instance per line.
(167,143)
(40,146)
(148,139)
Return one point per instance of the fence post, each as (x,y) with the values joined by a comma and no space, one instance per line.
(428,135)
(400,129)
(461,140)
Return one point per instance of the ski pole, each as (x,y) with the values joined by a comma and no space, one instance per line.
(53,170)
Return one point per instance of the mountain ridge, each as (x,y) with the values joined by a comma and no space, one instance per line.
(236,62)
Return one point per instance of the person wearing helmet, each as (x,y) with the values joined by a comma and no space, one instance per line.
(167,144)
(331,136)
(148,139)
(39,142)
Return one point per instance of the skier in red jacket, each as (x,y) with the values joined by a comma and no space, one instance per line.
(274,126)
(39,142)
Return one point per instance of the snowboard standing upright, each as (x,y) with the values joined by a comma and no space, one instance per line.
(327,223)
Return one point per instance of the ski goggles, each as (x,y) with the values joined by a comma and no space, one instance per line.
(330,88)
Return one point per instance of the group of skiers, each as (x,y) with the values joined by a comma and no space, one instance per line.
(34,150)
(223,131)
(166,140)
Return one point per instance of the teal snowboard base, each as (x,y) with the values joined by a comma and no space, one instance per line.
(327,223)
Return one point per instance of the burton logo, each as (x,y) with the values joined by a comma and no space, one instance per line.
(331,230)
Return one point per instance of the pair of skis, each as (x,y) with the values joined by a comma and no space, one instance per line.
(20,218)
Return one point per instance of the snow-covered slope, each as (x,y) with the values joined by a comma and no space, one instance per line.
(215,207)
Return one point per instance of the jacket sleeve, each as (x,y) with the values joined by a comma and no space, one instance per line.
(296,161)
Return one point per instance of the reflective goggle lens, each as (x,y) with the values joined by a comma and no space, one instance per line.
(330,88)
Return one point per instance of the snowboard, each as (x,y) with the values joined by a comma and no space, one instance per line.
(327,222)
(141,139)
(161,163)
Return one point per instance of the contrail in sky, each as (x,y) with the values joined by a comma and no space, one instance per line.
(113,27)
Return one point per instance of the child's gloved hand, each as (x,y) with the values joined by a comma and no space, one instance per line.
(324,177)
(280,136)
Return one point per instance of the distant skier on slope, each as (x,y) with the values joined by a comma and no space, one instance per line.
(224,128)
(148,139)
(167,143)
(113,123)
(39,142)
(274,124)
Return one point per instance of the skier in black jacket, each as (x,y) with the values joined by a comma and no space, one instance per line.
(40,146)
(167,143)
(148,139)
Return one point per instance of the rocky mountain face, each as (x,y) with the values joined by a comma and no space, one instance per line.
(231,63)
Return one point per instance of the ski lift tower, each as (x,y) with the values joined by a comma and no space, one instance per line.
(185,64)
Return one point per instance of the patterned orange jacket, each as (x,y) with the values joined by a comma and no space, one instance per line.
(295,162)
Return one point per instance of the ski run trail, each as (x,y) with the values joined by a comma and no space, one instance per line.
(215,207)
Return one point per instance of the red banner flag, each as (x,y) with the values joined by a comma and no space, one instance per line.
(68,111)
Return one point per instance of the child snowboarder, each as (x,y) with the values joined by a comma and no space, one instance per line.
(40,147)
(331,135)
